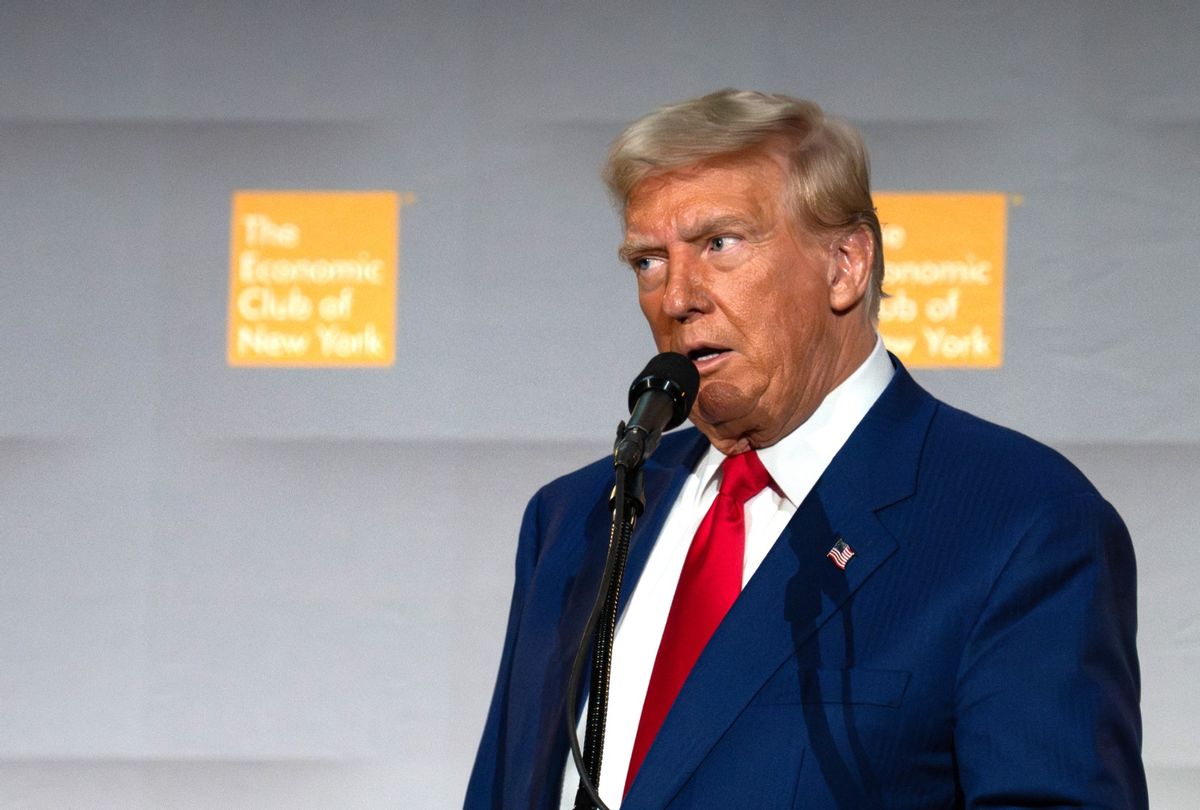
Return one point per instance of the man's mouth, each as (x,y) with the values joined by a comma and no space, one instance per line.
(706,355)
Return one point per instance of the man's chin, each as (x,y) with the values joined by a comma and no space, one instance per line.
(727,415)
(723,403)
(728,441)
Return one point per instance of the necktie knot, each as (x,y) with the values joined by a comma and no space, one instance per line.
(743,476)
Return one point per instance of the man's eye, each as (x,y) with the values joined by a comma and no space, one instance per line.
(644,263)
(719,243)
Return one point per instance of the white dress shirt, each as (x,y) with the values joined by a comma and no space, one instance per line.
(795,463)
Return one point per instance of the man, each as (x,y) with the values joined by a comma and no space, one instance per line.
(928,611)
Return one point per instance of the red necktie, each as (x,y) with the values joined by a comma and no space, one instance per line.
(711,579)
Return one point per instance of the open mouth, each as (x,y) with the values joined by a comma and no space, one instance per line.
(706,354)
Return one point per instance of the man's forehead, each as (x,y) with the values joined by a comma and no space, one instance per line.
(689,224)
(691,197)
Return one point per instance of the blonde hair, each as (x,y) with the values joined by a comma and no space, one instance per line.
(826,158)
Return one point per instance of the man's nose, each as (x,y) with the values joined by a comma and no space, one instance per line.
(686,293)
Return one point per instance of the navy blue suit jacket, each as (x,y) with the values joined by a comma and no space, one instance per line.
(977,651)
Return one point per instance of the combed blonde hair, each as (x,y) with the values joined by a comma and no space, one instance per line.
(830,174)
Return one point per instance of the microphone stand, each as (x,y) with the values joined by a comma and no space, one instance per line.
(627,502)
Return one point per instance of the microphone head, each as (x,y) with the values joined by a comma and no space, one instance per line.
(674,374)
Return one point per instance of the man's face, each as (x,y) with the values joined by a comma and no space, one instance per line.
(726,278)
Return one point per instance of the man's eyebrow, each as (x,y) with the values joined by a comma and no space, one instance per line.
(711,227)
(629,247)
(690,233)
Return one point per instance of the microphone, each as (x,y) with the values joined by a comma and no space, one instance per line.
(659,399)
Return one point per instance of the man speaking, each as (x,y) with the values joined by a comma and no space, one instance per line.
(843,593)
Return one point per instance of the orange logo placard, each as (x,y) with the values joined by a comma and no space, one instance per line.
(944,256)
(313,278)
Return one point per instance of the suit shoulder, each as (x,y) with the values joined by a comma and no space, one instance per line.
(583,479)
(560,508)
(675,448)
(963,445)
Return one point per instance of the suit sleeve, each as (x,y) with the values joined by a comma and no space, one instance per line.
(486,787)
(1047,692)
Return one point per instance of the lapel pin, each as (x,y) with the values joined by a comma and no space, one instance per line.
(840,553)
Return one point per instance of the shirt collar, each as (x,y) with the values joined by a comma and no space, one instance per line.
(810,447)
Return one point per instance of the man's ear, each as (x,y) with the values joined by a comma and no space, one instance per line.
(853,255)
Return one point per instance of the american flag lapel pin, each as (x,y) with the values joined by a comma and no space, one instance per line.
(840,553)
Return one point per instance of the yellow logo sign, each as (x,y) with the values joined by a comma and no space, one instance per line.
(944,255)
(313,278)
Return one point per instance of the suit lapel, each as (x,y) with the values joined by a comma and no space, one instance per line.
(797,588)
(665,473)
(664,476)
